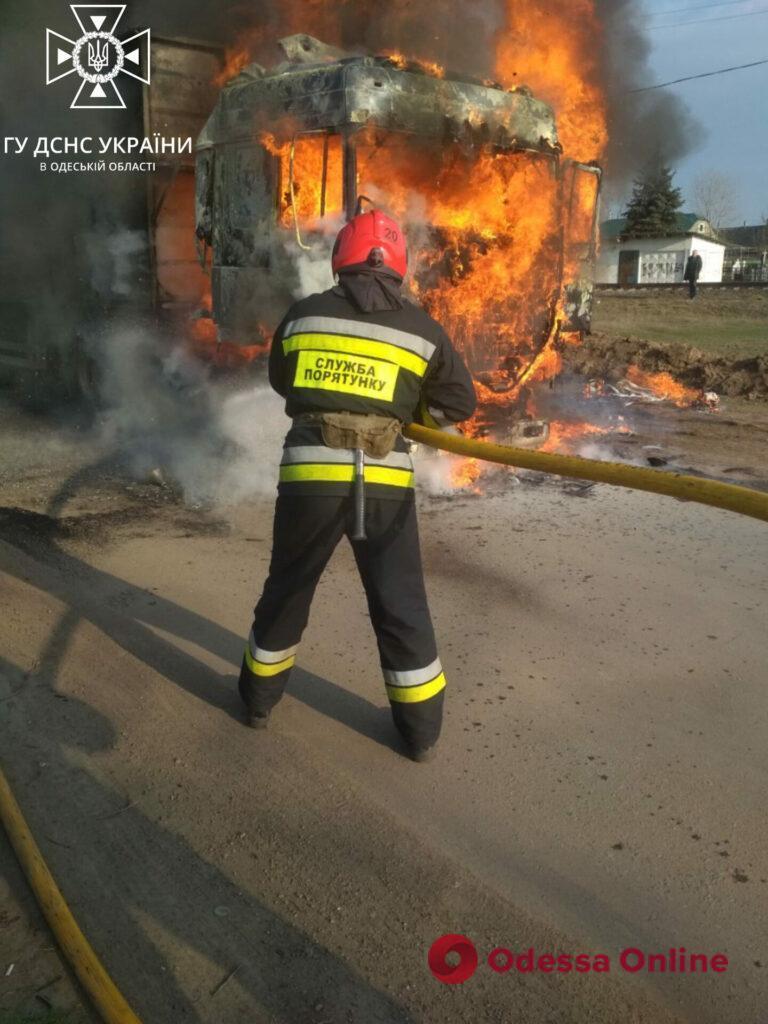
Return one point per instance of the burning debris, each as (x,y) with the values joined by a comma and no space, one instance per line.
(640,388)
(601,357)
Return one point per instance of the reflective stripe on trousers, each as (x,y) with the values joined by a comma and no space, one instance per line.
(415,685)
(307,530)
(266,664)
(408,687)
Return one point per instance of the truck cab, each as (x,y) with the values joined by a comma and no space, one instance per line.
(501,229)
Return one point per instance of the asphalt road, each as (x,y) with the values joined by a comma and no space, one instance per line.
(600,785)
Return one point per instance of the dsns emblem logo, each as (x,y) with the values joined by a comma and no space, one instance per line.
(97,56)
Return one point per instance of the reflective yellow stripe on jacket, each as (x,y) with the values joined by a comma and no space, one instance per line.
(345,345)
(349,337)
(320,463)
(326,471)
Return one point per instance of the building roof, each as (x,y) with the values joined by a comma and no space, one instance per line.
(612,230)
(753,236)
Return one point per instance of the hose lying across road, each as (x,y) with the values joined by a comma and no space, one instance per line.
(86,965)
(94,979)
(675,485)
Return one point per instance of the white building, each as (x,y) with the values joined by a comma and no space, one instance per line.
(633,261)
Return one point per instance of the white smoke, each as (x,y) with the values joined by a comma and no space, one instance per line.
(167,418)
(254,424)
(433,471)
(313,269)
(603,452)
(113,256)
(310,261)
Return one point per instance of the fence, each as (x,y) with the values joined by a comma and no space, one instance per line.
(745,265)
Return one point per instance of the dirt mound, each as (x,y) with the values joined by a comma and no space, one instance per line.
(604,356)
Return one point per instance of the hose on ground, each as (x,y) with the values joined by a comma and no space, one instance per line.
(87,967)
(743,500)
(97,983)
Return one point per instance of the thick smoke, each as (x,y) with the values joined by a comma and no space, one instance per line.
(164,412)
(646,126)
(462,37)
(41,216)
(63,248)
(457,34)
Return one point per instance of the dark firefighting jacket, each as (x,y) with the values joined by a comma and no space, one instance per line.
(327,356)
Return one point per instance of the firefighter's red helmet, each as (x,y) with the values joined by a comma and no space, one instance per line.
(372,238)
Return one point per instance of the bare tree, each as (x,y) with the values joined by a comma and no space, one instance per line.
(715,197)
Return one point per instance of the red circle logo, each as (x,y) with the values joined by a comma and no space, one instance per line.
(452,974)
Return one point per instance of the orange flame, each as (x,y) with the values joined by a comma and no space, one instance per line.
(203,341)
(553,48)
(664,386)
(486,228)
(429,67)
(564,436)
(310,200)
(235,60)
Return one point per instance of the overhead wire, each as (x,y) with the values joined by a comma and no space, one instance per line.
(699,7)
(707,21)
(704,74)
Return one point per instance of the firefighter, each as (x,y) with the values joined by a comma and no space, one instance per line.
(354,364)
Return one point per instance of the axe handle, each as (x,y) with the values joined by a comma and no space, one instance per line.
(359,527)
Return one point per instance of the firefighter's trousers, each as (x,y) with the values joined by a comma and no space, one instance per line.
(306,531)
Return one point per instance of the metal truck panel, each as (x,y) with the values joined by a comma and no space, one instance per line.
(365,91)
(183,89)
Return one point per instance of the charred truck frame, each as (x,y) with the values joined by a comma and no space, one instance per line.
(247,212)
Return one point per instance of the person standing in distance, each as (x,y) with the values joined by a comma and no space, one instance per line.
(693,266)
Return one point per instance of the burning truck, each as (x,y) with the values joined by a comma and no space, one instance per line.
(501,224)
(498,196)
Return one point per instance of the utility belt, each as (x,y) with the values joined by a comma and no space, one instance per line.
(371,435)
(374,435)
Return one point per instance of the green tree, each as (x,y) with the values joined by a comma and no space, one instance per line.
(652,209)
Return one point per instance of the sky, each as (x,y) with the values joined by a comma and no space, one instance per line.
(732,108)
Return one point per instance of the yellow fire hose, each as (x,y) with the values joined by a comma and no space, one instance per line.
(675,485)
(86,965)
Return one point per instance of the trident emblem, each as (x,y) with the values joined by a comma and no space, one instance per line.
(98,55)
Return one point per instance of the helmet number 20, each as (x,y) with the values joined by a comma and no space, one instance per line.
(391,235)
